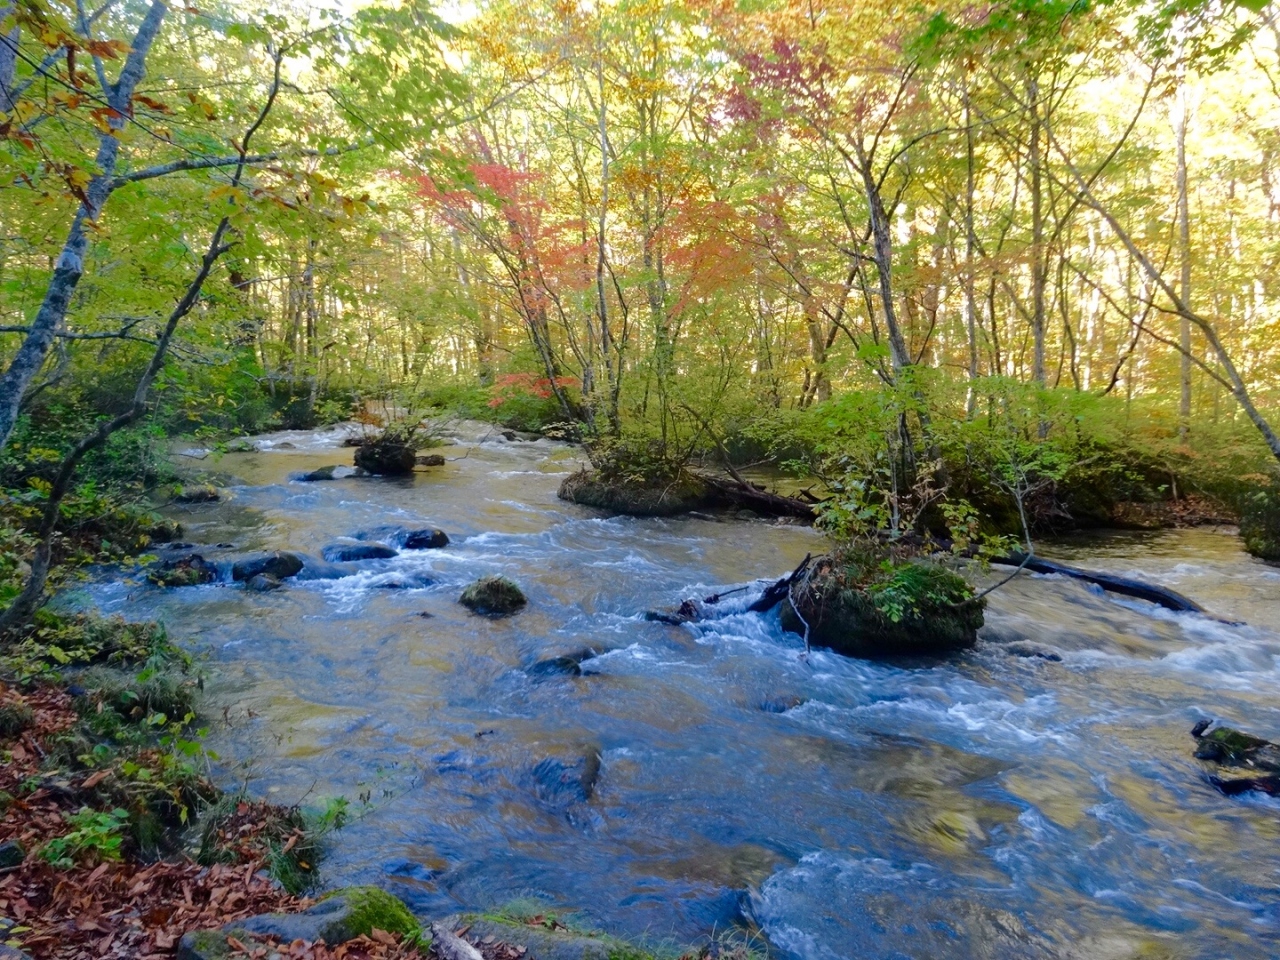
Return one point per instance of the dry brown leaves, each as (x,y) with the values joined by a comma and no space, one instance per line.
(111,909)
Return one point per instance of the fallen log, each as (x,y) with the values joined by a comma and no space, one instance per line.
(752,496)
(1125,586)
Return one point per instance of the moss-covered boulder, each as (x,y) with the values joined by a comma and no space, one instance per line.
(865,609)
(198,493)
(387,458)
(189,571)
(493,596)
(635,497)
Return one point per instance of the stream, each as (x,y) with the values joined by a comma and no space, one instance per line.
(1035,797)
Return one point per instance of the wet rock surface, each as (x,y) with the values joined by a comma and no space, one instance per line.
(354,552)
(189,571)
(1241,751)
(386,458)
(198,493)
(281,564)
(493,596)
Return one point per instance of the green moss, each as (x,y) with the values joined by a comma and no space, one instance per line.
(863,609)
(372,908)
(496,596)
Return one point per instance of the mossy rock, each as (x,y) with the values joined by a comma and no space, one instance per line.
(372,908)
(934,608)
(493,596)
(587,488)
(189,571)
(198,493)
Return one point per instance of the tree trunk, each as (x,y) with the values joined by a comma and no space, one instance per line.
(69,267)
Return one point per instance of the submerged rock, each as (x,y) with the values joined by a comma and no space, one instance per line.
(494,596)
(189,571)
(403,581)
(922,608)
(281,564)
(263,583)
(386,458)
(569,665)
(561,784)
(430,460)
(200,493)
(352,552)
(316,569)
(331,472)
(588,489)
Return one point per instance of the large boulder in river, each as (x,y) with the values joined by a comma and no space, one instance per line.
(493,596)
(661,499)
(280,565)
(388,458)
(189,571)
(867,610)
(351,552)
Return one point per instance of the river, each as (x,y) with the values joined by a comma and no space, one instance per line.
(996,804)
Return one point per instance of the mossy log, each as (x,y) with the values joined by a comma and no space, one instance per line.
(666,499)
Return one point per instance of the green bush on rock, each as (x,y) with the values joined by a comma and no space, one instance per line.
(861,606)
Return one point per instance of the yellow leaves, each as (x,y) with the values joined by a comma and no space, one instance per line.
(203,105)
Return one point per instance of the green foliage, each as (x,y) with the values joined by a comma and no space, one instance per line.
(96,835)
(1259,508)
(56,641)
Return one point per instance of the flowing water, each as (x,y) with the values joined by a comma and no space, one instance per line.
(996,804)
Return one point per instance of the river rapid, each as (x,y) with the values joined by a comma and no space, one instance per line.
(1035,797)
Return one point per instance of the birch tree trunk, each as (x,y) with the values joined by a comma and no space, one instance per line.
(69,267)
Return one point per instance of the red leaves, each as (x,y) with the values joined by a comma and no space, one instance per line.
(511,385)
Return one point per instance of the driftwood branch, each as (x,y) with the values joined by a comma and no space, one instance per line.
(449,946)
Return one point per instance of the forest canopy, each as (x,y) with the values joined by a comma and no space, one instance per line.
(976,260)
